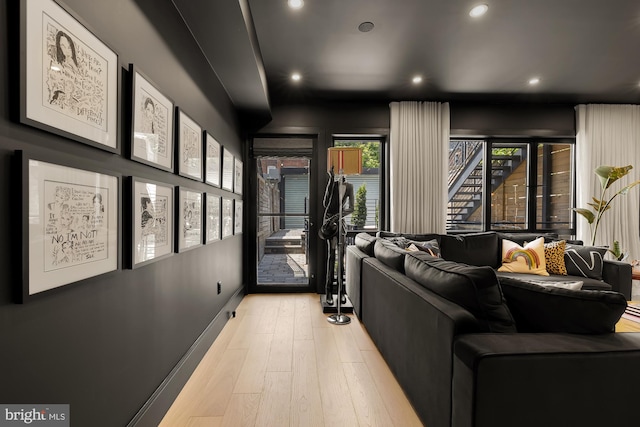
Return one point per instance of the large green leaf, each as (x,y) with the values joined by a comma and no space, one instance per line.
(586,213)
(610,174)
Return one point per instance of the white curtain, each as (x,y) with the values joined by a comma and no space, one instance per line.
(419,145)
(609,135)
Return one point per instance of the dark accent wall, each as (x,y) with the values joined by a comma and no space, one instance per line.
(496,119)
(103,345)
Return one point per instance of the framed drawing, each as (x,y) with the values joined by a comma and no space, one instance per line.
(212,160)
(69,78)
(70,223)
(151,221)
(152,123)
(189,214)
(227,217)
(189,144)
(237,180)
(237,218)
(227,170)
(212,222)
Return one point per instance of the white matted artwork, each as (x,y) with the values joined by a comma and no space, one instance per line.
(189,213)
(212,218)
(237,218)
(189,147)
(152,219)
(227,170)
(212,161)
(227,217)
(72,224)
(70,77)
(152,123)
(237,180)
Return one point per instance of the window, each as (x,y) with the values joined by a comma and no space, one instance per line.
(528,186)
(367,186)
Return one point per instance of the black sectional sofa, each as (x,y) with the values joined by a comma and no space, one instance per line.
(472,350)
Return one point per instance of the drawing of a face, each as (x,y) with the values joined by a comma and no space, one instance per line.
(65,49)
(149,109)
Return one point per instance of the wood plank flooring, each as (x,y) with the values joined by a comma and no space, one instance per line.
(280,363)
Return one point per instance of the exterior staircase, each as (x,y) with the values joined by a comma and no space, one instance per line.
(285,242)
(466,166)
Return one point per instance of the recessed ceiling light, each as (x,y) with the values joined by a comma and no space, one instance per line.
(478,10)
(365,27)
(296,77)
(534,81)
(416,79)
(295,4)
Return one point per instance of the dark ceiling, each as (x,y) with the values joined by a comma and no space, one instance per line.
(582,50)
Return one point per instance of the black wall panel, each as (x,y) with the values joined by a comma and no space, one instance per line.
(105,344)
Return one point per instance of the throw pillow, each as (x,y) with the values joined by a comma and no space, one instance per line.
(365,242)
(554,257)
(528,259)
(550,309)
(575,285)
(584,261)
(476,289)
(389,254)
(431,247)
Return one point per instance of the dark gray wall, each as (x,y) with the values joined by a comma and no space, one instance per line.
(105,344)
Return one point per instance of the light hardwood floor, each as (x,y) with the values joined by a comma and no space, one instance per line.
(280,363)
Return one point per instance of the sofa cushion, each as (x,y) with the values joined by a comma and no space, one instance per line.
(587,282)
(365,242)
(476,289)
(584,260)
(528,259)
(390,254)
(538,308)
(554,257)
(479,249)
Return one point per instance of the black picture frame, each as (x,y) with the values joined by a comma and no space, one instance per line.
(151,133)
(227,169)
(189,216)
(152,218)
(53,93)
(189,146)
(70,222)
(213,218)
(213,160)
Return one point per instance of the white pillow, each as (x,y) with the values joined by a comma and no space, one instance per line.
(528,259)
(577,285)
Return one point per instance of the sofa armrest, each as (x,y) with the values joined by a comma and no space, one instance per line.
(353,284)
(618,275)
(555,380)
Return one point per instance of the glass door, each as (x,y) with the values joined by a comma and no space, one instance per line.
(282,238)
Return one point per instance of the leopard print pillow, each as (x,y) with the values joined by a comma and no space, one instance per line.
(554,257)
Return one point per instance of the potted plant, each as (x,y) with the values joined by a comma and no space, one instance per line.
(607,175)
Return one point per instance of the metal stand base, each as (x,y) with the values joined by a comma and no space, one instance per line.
(339,319)
(346,307)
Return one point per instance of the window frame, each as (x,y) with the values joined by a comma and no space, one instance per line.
(532,185)
(383,182)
